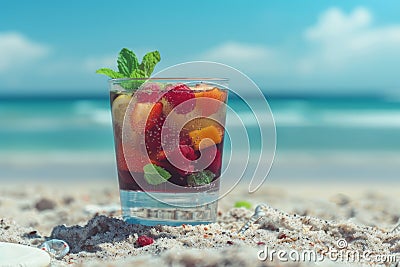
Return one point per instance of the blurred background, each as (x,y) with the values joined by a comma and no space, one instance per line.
(329,70)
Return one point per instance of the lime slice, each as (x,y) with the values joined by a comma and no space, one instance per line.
(119,107)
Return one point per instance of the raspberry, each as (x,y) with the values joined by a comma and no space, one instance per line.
(188,152)
(144,241)
(176,157)
(181,94)
(149,92)
(215,165)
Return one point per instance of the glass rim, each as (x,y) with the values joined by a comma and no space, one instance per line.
(208,79)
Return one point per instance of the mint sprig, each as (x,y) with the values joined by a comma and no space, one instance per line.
(200,178)
(127,62)
(155,175)
(110,73)
(149,61)
(129,67)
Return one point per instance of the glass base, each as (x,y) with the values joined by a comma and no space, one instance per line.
(140,208)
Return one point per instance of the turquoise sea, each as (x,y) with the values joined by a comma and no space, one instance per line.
(334,137)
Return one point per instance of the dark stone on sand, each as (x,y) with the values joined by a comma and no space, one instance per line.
(98,230)
(68,200)
(45,204)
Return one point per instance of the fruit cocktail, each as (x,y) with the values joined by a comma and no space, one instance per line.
(168,137)
(169,142)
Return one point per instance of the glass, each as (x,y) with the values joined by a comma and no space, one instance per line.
(168,136)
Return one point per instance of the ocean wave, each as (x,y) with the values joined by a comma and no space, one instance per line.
(350,119)
(365,118)
(92,112)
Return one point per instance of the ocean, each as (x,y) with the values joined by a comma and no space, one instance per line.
(317,138)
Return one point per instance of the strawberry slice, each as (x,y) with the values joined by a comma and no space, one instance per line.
(153,137)
(179,95)
(143,111)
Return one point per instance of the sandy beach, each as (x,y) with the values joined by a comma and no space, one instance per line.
(300,98)
(299,218)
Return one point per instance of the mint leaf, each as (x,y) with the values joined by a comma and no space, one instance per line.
(200,178)
(149,61)
(134,84)
(127,62)
(110,73)
(138,73)
(243,204)
(128,67)
(155,175)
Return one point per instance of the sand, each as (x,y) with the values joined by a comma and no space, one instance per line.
(298,218)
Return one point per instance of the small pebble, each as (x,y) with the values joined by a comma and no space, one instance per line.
(282,236)
(68,200)
(45,204)
(340,199)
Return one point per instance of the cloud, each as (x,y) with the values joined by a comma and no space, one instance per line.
(17,51)
(340,42)
(254,58)
(341,50)
(334,23)
(232,51)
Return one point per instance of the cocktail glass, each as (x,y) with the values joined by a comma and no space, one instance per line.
(169,136)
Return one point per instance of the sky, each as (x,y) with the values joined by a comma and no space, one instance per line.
(54,47)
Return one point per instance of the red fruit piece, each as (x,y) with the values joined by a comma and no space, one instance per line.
(215,166)
(153,139)
(182,167)
(184,138)
(149,92)
(144,241)
(121,163)
(153,136)
(188,152)
(141,111)
(216,163)
(180,94)
(154,116)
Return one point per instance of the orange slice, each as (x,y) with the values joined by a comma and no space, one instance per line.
(209,107)
(206,137)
